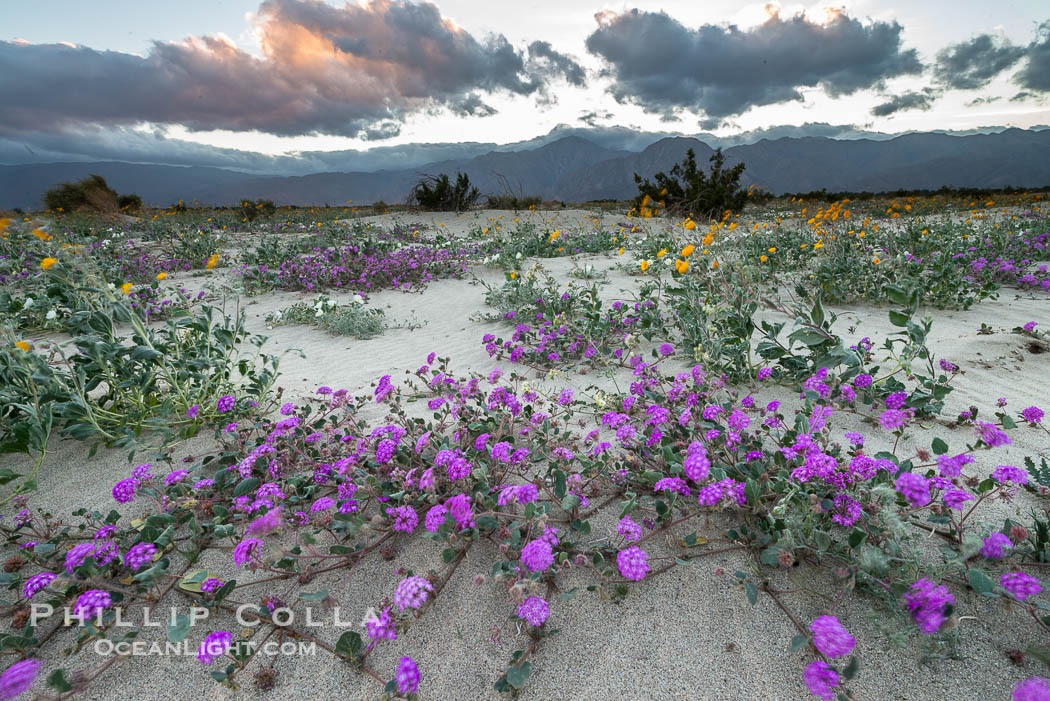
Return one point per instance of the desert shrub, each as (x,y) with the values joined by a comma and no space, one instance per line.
(688,190)
(506,201)
(439,194)
(129,203)
(90,193)
(353,319)
(252,210)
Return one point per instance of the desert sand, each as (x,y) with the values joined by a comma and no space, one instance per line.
(689,634)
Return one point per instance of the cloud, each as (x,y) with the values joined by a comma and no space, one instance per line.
(983,100)
(593,118)
(1035,76)
(972,64)
(660,64)
(920,100)
(355,70)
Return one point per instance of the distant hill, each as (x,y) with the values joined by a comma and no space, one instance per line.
(575,169)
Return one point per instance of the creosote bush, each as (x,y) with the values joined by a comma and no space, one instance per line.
(439,194)
(687,190)
(91,193)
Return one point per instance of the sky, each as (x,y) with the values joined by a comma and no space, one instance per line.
(220,81)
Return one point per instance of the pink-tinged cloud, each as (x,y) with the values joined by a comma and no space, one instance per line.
(355,70)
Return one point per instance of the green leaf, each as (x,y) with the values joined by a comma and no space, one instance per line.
(752,592)
(939,447)
(178,632)
(348,645)
(851,669)
(899,318)
(517,676)
(980,583)
(798,641)
(245,486)
(314,595)
(57,681)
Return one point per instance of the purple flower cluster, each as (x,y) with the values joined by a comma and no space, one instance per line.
(37,583)
(140,555)
(17,678)
(214,646)
(534,611)
(407,676)
(821,679)
(1019,585)
(830,637)
(91,603)
(927,603)
(633,563)
(412,592)
(537,556)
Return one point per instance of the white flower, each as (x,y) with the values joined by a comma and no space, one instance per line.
(51,314)
(358,299)
(28,303)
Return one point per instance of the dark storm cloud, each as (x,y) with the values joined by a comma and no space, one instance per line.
(659,63)
(973,64)
(355,70)
(921,100)
(1035,76)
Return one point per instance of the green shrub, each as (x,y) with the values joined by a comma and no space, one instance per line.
(512,201)
(129,203)
(689,191)
(253,209)
(439,194)
(90,193)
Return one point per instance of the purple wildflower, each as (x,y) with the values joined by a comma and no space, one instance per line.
(411,592)
(1020,585)
(91,603)
(633,563)
(830,637)
(537,556)
(405,518)
(246,550)
(534,611)
(226,403)
(914,488)
(17,678)
(213,646)
(407,676)
(995,546)
(927,602)
(37,583)
(140,555)
(211,585)
(821,679)
(124,490)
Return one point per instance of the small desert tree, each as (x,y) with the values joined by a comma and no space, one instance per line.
(689,190)
(441,195)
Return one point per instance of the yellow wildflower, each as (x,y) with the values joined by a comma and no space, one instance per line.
(42,235)
(645,265)
(23,346)
(161,276)
(126,288)
(47,263)
(212,260)
(687,251)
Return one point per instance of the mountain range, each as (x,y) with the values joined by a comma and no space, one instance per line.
(574,168)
